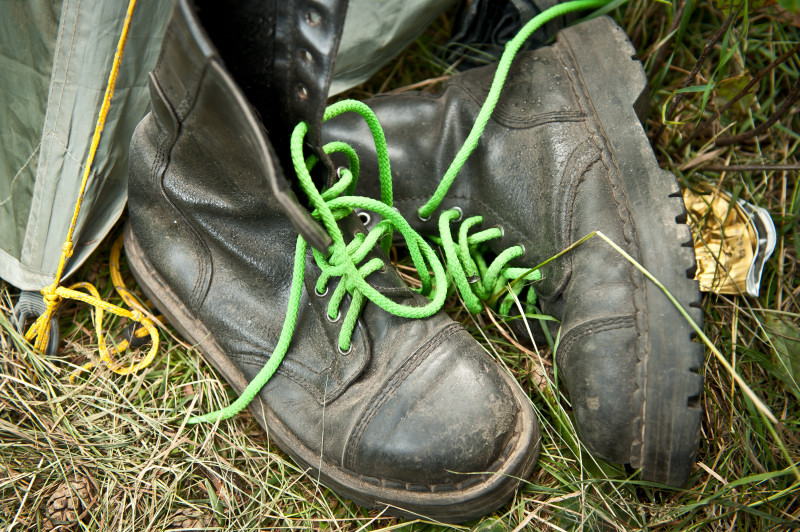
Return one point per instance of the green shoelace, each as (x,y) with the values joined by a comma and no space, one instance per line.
(476,281)
(343,259)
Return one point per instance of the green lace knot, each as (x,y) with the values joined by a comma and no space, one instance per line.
(343,260)
(475,280)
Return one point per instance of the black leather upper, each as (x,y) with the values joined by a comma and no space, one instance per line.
(279,51)
(414,402)
(543,172)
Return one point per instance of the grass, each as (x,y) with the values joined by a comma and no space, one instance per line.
(146,470)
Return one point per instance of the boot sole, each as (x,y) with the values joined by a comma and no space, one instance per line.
(451,506)
(617,87)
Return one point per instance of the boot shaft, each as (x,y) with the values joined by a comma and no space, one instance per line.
(281,54)
(190,65)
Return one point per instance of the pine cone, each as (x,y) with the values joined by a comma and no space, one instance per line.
(187,519)
(47,525)
(69,503)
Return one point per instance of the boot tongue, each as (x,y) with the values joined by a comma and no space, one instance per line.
(238,42)
(281,53)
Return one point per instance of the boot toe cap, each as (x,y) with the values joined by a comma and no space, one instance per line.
(439,419)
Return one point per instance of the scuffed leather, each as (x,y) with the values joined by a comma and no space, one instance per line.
(415,402)
(544,174)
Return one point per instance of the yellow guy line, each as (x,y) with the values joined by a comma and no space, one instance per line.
(40,330)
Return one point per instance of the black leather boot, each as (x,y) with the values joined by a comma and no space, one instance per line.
(412,412)
(563,155)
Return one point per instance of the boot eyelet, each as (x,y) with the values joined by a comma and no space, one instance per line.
(421,218)
(460,213)
(302,91)
(364,217)
(345,353)
(502,231)
(306,56)
(334,320)
(313,18)
(323,293)
(524,251)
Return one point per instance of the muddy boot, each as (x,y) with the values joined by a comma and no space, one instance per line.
(564,154)
(412,412)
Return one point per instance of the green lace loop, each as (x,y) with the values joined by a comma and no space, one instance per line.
(343,259)
(475,280)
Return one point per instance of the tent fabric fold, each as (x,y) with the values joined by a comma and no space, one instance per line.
(73,63)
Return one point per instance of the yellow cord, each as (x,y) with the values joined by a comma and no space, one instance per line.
(137,314)
(39,332)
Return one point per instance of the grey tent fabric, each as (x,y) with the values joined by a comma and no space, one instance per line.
(375,31)
(55,58)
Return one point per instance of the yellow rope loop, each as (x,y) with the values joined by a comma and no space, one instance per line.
(116,277)
(114,366)
(53,295)
(93,298)
(153,332)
